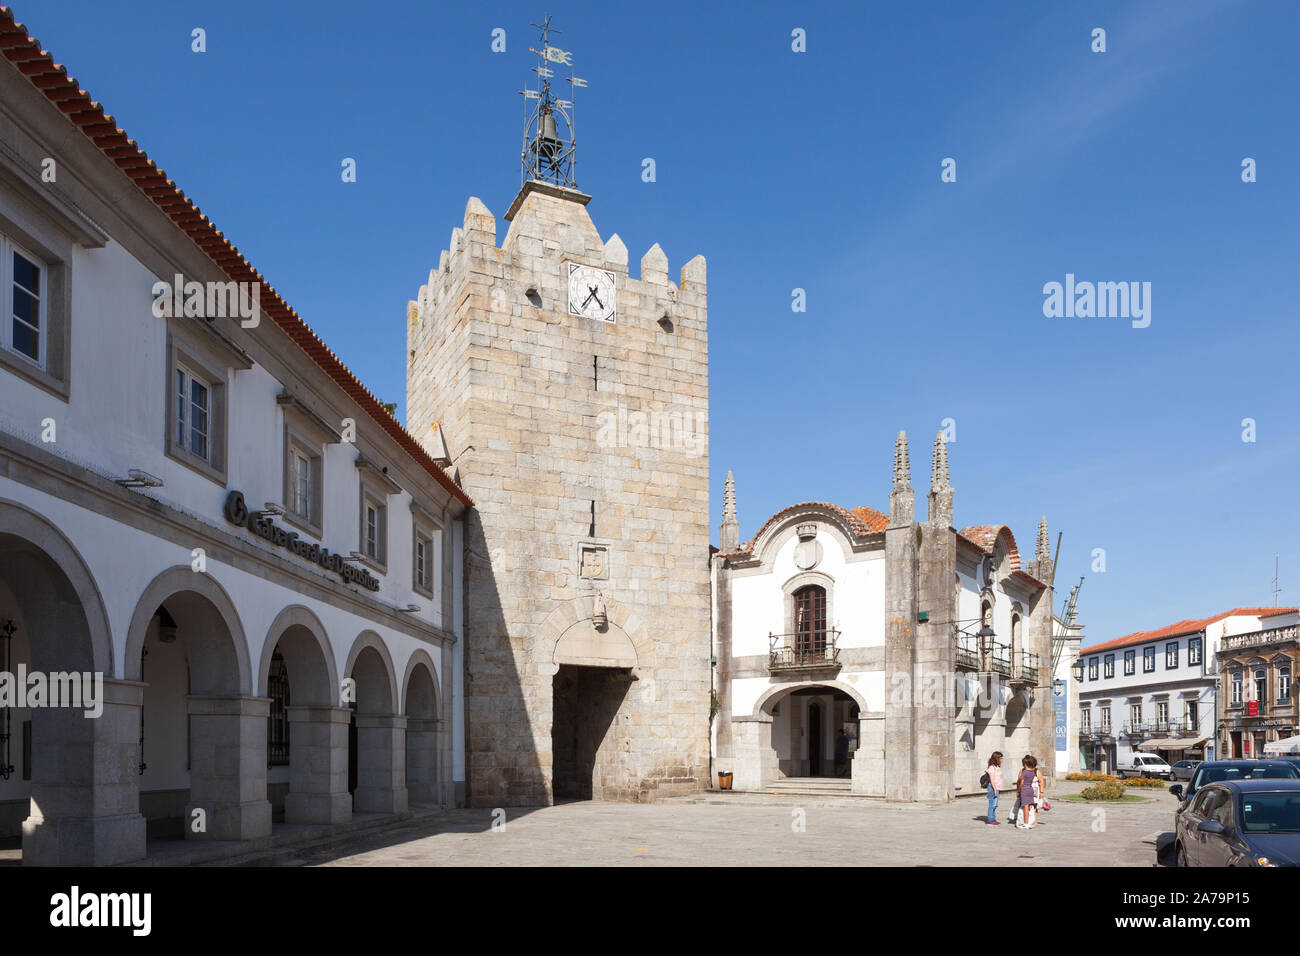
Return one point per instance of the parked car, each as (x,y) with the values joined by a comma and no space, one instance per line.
(1142,765)
(1291,760)
(1184,769)
(1242,823)
(1232,771)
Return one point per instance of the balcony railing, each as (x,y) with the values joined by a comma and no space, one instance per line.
(1133,728)
(1274,635)
(806,650)
(1027,669)
(1002,659)
(968,652)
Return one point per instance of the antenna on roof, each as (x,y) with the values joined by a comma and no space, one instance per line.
(1276,590)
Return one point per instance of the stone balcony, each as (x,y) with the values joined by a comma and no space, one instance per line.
(804,651)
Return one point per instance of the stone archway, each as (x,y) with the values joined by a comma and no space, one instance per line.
(593,650)
(204,733)
(306,703)
(377,744)
(74,799)
(772,741)
(421,705)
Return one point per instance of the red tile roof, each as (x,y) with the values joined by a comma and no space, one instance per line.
(985,536)
(51,79)
(861,521)
(1190,626)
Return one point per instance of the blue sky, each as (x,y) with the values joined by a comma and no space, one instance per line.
(821,170)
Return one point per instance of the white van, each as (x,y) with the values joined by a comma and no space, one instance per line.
(1143,765)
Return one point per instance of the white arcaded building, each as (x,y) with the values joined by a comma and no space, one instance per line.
(205,514)
(832,618)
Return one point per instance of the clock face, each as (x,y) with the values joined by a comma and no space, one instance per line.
(591,292)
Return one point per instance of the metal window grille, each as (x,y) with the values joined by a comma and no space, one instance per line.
(277,727)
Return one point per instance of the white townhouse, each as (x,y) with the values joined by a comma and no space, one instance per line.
(206,510)
(925,646)
(1156,691)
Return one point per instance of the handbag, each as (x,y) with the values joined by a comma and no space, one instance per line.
(984,780)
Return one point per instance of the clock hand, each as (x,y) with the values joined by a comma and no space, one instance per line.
(593,295)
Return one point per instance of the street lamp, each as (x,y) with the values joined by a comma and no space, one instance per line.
(1077,670)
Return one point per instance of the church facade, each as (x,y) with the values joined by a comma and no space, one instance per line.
(892,653)
(569,398)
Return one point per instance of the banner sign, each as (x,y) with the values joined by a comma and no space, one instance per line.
(1059,704)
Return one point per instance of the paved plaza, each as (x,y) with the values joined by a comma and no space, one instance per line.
(751,830)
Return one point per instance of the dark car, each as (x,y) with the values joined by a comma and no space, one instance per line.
(1232,771)
(1184,769)
(1294,761)
(1246,823)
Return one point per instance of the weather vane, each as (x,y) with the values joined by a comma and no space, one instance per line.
(549,148)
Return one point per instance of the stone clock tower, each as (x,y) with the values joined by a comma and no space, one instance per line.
(570,400)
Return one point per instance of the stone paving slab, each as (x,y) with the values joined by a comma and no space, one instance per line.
(711,833)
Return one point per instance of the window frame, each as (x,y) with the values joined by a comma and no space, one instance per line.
(1108,666)
(1171,655)
(1149,659)
(1130,662)
(1193,651)
(1237,687)
(1105,719)
(45,240)
(184,355)
(1092,667)
(8,280)
(1284,690)
(372,495)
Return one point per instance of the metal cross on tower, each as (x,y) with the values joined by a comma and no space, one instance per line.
(549,148)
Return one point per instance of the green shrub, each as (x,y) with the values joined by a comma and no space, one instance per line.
(1112,790)
(1091,776)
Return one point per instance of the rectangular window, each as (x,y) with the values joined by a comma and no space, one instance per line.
(1171,655)
(26,287)
(1092,668)
(193,408)
(1130,663)
(423,562)
(1193,715)
(1261,684)
(1135,715)
(1237,688)
(1085,721)
(1148,659)
(302,485)
(1162,714)
(1284,682)
(372,531)
(1105,719)
(1109,665)
(1193,650)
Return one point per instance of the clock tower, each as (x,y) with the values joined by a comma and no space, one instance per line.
(569,399)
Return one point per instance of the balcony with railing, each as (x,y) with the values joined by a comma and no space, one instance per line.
(968,652)
(1136,728)
(1002,659)
(804,651)
(1026,670)
(1273,635)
